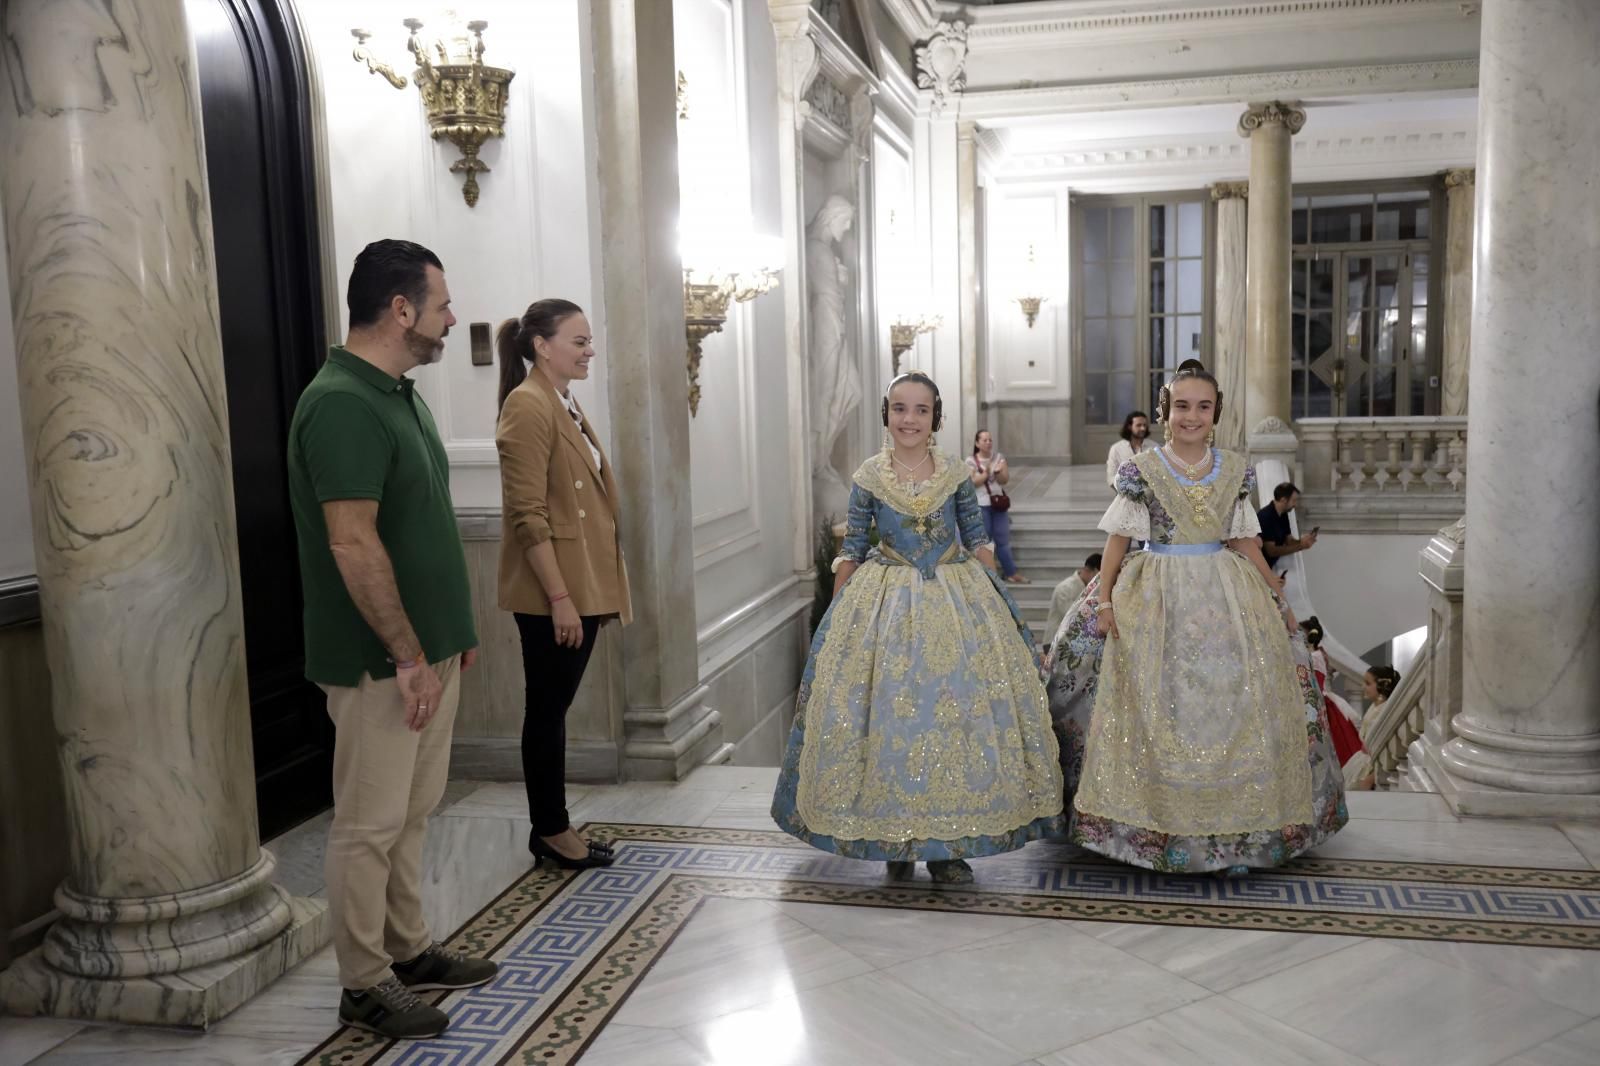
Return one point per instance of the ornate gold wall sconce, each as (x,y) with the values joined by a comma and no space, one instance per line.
(705,309)
(1030,307)
(465,99)
(903,334)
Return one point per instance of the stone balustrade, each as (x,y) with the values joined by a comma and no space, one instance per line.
(1384,456)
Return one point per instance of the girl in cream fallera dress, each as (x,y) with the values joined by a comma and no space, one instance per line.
(921,729)
(1195,739)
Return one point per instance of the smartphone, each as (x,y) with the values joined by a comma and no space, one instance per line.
(1315,530)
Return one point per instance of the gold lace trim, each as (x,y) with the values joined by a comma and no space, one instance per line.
(876,475)
(1202,513)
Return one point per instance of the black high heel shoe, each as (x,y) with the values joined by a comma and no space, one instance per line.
(593,860)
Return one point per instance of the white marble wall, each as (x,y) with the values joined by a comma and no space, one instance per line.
(1529,731)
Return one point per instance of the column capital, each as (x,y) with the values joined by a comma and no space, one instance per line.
(1464,176)
(1230,190)
(1286,113)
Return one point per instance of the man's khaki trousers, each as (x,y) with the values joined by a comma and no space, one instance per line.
(386,782)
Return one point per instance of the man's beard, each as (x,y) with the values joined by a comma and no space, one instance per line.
(423,348)
(1140,434)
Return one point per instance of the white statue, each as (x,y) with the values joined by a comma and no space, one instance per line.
(835,389)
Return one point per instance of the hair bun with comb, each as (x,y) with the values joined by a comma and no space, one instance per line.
(1191,364)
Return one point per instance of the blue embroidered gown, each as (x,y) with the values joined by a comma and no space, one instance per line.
(921,729)
(1199,740)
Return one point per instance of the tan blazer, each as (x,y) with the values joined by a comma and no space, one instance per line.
(551,490)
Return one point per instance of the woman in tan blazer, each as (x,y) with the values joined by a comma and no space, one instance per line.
(561,569)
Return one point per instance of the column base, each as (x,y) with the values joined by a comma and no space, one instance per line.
(192,999)
(664,745)
(1431,763)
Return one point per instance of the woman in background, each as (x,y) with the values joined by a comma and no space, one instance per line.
(989,474)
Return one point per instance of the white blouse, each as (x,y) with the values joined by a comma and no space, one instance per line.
(577,416)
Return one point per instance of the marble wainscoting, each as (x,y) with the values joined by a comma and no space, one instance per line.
(1032,431)
(750,661)
(489,724)
(33,817)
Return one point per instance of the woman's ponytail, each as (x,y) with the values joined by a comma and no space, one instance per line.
(510,348)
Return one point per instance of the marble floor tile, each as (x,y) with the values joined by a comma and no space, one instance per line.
(887,937)
(632,1045)
(1585,836)
(866,1019)
(466,862)
(300,1008)
(732,778)
(300,853)
(1396,1008)
(1566,977)
(733,955)
(1212,1032)
(648,804)
(1045,987)
(127,1046)
(1399,806)
(743,810)
(1575,1047)
(1218,959)
(24,1039)
(1494,843)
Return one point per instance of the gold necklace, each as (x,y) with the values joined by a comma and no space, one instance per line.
(1198,495)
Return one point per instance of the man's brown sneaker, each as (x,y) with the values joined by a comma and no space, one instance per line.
(391,1010)
(439,969)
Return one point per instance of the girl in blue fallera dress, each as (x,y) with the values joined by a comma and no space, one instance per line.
(921,729)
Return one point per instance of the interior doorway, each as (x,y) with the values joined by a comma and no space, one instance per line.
(255,104)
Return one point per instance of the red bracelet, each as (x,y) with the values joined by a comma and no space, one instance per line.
(562,596)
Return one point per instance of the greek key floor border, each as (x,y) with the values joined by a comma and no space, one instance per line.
(572,947)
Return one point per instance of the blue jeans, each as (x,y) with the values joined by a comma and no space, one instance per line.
(998,525)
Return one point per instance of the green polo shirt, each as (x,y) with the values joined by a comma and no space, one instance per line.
(359,434)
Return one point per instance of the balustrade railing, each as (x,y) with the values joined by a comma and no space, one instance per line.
(1384,456)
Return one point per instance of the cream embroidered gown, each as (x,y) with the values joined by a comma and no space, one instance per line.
(921,730)
(1205,748)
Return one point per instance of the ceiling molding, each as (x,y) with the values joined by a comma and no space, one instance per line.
(916,18)
(1165,162)
(1046,24)
(1437,75)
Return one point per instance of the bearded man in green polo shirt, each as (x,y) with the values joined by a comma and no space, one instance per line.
(388,622)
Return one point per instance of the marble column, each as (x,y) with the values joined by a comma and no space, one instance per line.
(798,62)
(169,913)
(668,729)
(1228,344)
(1267,276)
(967,220)
(1528,736)
(1459,188)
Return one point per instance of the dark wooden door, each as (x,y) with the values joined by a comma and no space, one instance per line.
(256,112)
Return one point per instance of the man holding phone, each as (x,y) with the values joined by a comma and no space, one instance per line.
(1277,540)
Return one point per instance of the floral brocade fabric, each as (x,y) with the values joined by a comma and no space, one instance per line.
(1198,740)
(921,729)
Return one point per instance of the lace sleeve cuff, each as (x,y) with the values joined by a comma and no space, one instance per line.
(1127,518)
(1245,522)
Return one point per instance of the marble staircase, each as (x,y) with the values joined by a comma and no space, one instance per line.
(1055,512)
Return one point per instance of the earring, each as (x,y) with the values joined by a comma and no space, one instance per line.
(1167,423)
(1211,437)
